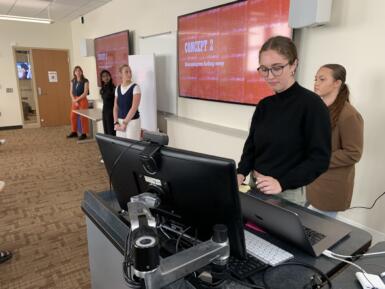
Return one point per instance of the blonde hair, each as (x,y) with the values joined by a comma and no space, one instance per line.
(123,66)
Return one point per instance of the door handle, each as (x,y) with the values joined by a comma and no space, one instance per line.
(39,91)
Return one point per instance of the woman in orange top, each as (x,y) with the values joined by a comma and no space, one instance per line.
(79,89)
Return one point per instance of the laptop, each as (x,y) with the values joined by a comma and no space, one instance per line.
(311,232)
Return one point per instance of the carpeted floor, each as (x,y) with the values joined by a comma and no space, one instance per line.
(41,221)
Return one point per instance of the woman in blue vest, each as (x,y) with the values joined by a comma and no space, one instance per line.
(127,100)
(79,90)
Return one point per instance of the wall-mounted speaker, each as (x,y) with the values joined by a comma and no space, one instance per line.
(304,13)
(87,47)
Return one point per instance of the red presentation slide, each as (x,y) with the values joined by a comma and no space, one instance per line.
(111,52)
(218,50)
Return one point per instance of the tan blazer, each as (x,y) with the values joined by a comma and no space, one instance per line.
(332,191)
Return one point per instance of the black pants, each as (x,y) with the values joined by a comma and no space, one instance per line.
(108,122)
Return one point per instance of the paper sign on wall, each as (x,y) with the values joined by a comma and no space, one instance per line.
(52,76)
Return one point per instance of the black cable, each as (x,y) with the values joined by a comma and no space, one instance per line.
(195,280)
(319,272)
(179,238)
(114,165)
(222,277)
(368,208)
(127,262)
(196,237)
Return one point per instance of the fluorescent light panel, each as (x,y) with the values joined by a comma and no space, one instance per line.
(26,19)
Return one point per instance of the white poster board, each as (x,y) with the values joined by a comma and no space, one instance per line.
(143,73)
(164,47)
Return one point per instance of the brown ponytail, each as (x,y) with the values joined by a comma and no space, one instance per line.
(338,73)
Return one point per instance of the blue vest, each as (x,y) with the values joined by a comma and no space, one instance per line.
(125,102)
(78,87)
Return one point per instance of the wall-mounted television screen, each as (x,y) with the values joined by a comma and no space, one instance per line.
(24,70)
(111,51)
(218,49)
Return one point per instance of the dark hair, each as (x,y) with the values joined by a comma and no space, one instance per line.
(110,82)
(338,73)
(109,85)
(282,45)
(82,78)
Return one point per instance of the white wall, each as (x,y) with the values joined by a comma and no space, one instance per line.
(57,35)
(354,38)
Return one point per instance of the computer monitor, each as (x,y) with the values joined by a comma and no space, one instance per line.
(201,190)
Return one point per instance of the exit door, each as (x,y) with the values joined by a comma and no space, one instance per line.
(52,77)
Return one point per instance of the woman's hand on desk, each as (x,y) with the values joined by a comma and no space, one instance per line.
(240,179)
(268,185)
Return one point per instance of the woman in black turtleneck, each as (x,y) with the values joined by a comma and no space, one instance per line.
(289,142)
(107,91)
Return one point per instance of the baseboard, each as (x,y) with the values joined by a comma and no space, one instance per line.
(11,127)
(377,235)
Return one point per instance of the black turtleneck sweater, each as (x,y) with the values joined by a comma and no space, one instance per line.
(289,138)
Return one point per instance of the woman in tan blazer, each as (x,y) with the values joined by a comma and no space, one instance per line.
(332,191)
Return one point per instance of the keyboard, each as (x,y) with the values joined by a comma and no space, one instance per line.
(265,251)
(313,236)
(244,268)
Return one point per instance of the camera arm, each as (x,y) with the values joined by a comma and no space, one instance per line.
(183,263)
(157,272)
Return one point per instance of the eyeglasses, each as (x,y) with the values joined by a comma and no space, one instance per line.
(276,70)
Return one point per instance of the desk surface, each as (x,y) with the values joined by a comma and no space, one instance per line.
(101,208)
(372,264)
(358,241)
(94,114)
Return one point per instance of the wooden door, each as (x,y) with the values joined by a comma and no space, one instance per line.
(52,77)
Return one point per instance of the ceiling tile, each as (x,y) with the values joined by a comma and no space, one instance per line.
(60,10)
